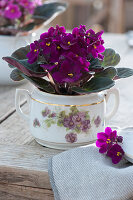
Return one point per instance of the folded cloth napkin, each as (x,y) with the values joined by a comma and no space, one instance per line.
(85,174)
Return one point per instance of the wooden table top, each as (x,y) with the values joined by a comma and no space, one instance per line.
(23,162)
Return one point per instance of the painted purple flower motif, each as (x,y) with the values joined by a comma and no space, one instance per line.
(106,139)
(86,125)
(97,121)
(52,115)
(34,53)
(36,123)
(69,123)
(116,153)
(71,137)
(12,11)
(79,117)
(46,112)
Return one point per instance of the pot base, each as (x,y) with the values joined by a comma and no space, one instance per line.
(61,146)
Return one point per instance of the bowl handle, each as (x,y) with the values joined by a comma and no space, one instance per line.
(19,93)
(115,92)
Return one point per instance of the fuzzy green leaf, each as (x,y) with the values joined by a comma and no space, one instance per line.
(111,58)
(40,83)
(26,68)
(124,73)
(45,13)
(16,75)
(95,85)
(109,72)
(49,10)
(21,53)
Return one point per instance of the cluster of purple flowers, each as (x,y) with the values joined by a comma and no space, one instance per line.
(108,142)
(15,9)
(67,56)
(77,121)
(48,113)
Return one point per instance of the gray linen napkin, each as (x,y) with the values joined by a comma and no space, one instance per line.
(85,174)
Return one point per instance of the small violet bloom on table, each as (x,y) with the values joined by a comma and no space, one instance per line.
(108,143)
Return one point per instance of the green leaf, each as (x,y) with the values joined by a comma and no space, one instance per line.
(16,75)
(77,130)
(40,83)
(59,123)
(124,73)
(21,53)
(62,114)
(28,27)
(49,11)
(45,13)
(111,58)
(74,110)
(109,72)
(28,69)
(95,63)
(95,85)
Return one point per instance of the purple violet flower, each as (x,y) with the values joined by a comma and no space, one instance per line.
(79,117)
(71,137)
(52,115)
(34,53)
(46,112)
(116,153)
(71,70)
(69,123)
(36,123)
(97,121)
(106,139)
(12,11)
(86,125)
(67,41)
(60,30)
(48,34)
(47,46)
(119,139)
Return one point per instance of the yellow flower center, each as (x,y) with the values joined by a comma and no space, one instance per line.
(58,47)
(77,55)
(56,63)
(48,44)
(69,43)
(71,123)
(71,75)
(108,141)
(12,11)
(94,46)
(118,153)
(88,34)
(35,50)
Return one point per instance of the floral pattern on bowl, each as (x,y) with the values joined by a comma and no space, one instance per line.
(75,121)
(71,137)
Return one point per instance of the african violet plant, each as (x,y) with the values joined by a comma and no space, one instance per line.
(68,63)
(25,15)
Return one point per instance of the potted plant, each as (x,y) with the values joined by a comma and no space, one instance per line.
(18,20)
(72,73)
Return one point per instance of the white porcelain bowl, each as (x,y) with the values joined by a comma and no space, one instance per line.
(8,44)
